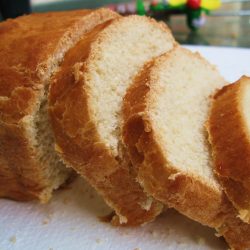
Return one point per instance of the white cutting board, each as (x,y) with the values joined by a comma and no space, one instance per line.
(70,221)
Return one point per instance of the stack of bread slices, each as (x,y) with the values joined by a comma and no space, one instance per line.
(119,102)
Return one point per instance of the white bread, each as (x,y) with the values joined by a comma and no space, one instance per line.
(32,48)
(85,106)
(229,130)
(164,115)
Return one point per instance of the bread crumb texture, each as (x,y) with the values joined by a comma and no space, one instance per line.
(13,239)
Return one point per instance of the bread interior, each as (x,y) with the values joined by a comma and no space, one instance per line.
(117,60)
(56,173)
(184,83)
(246,103)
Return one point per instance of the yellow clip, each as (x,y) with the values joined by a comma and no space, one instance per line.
(207,4)
(211,4)
(177,2)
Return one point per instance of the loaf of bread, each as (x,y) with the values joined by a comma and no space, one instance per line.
(32,48)
(164,114)
(116,99)
(229,131)
(85,107)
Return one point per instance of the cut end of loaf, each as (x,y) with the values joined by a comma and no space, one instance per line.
(30,166)
(54,170)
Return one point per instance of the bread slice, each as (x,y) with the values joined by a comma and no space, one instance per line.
(32,48)
(85,107)
(164,114)
(229,131)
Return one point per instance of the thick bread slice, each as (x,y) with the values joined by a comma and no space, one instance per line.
(229,134)
(32,48)
(85,106)
(164,115)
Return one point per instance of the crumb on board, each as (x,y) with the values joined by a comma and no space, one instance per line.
(13,239)
(218,235)
(98,241)
(66,200)
(153,233)
(124,233)
(201,241)
(137,248)
(179,242)
(48,219)
(45,221)
(50,248)
(167,231)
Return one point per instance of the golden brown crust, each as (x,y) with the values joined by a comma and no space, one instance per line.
(32,46)
(187,194)
(80,145)
(231,145)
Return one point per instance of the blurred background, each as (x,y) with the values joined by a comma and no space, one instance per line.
(227,26)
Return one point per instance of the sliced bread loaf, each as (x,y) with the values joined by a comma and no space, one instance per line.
(229,134)
(164,115)
(85,107)
(32,48)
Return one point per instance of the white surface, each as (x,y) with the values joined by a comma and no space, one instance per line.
(70,221)
(232,62)
(36,2)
